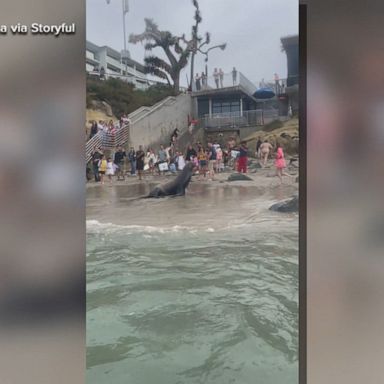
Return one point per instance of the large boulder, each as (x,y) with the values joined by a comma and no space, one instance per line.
(238,177)
(290,205)
(102,106)
(254,165)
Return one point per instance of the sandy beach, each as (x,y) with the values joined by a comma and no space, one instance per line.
(219,199)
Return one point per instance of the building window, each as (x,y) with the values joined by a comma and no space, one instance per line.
(203,107)
(221,106)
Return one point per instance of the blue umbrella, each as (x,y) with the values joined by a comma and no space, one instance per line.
(264,93)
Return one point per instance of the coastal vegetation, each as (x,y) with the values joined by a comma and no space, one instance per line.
(123,97)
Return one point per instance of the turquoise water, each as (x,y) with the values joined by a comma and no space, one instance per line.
(202,303)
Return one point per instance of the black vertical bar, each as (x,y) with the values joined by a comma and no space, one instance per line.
(303,194)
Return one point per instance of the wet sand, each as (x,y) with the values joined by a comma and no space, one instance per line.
(207,203)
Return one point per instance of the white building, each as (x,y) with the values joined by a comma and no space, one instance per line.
(115,64)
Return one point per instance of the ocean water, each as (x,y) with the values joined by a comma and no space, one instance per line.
(191,290)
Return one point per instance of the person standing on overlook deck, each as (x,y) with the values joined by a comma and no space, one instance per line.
(216,77)
(203,80)
(221,75)
(197,82)
(277,83)
(234,76)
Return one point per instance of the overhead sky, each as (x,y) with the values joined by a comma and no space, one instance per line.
(251,28)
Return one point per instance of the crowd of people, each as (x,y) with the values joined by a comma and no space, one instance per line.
(208,160)
(201,80)
(106,127)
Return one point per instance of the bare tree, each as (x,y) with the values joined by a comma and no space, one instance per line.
(177,50)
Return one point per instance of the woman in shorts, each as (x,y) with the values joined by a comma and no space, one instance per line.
(102,165)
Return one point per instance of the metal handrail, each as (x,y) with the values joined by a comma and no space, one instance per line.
(234,119)
(151,109)
(247,84)
(283,83)
(131,77)
(107,140)
(237,119)
(226,80)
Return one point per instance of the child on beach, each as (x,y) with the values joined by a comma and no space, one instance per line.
(152,159)
(203,160)
(280,163)
(111,167)
(102,165)
(195,161)
(219,159)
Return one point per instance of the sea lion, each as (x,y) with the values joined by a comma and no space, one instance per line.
(175,187)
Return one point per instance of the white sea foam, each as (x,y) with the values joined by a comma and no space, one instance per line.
(148,231)
(97,226)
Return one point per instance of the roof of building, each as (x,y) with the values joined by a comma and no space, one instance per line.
(91,47)
(115,54)
(227,91)
(131,62)
(289,40)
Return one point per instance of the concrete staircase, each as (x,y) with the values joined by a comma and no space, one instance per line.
(152,125)
(186,138)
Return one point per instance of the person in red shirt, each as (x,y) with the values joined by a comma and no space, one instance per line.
(243,158)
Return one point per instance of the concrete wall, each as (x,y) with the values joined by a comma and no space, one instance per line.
(222,137)
(157,124)
(246,131)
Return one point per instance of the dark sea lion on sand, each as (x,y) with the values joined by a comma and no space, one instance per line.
(175,187)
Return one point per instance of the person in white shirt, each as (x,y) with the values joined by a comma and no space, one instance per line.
(152,160)
(111,168)
(221,75)
(277,82)
(180,161)
(216,76)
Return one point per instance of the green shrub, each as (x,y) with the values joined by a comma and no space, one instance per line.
(122,96)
